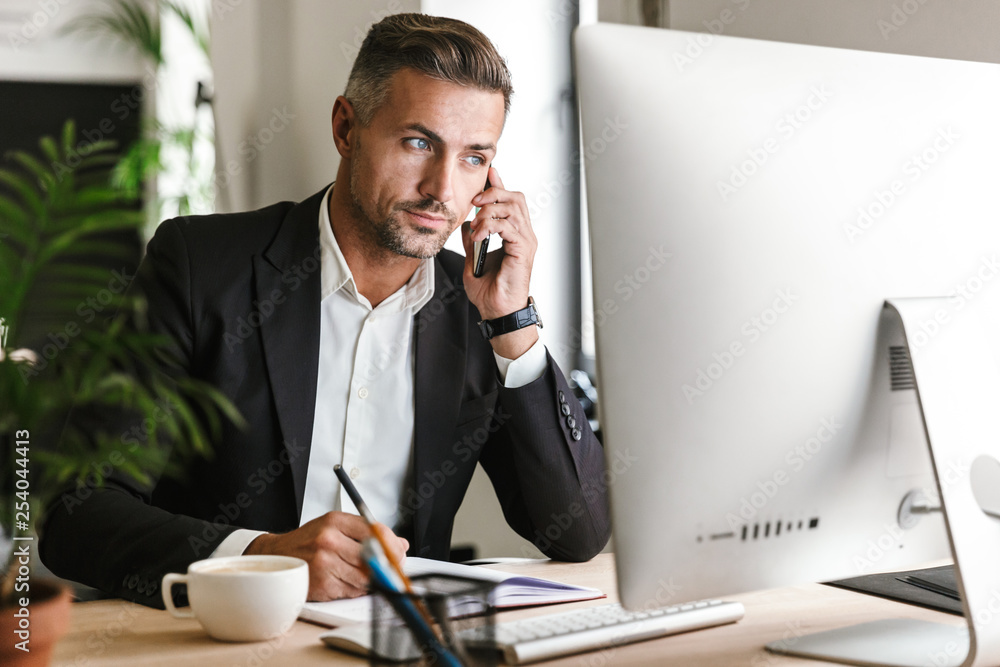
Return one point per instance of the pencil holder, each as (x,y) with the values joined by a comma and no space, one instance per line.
(457,611)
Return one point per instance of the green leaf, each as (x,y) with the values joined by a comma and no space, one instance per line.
(68,136)
(95,147)
(40,171)
(49,148)
(23,188)
(101,196)
(68,241)
(103,160)
(14,221)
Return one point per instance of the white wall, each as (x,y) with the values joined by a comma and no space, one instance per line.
(962,29)
(32,48)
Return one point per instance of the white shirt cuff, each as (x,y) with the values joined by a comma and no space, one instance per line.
(236,543)
(525,369)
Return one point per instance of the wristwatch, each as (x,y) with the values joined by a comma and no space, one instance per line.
(508,323)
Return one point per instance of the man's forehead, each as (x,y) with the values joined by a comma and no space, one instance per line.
(416,99)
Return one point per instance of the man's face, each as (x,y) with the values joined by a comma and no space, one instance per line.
(421,160)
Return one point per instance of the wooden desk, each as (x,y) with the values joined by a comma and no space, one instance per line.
(114,632)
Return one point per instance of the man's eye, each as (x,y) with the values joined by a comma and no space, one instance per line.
(422,144)
(476,161)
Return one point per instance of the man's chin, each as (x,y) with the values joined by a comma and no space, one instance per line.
(422,244)
(419,253)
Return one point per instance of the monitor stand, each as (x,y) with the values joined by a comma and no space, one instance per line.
(958,390)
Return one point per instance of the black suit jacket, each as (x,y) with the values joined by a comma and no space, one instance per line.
(239,294)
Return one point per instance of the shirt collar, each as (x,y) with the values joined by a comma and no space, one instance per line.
(335,274)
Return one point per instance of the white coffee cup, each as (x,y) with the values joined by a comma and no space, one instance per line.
(242,598)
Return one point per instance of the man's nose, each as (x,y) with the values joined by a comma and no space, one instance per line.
(438,181)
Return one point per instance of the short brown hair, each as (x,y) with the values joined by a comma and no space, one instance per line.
(442,48)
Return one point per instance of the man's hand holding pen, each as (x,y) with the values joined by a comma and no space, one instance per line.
(331,544)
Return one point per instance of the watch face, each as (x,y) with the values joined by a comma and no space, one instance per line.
(534,311)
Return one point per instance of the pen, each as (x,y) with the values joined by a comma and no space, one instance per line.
(405,608)
(367,515)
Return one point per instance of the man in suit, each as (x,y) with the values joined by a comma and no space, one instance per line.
(345,335)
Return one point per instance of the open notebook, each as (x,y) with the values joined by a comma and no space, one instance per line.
(511,591)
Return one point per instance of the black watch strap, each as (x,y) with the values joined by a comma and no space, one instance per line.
(508,323)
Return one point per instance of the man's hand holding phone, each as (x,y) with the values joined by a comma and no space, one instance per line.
(503,287)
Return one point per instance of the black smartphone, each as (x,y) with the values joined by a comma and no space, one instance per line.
(480,248)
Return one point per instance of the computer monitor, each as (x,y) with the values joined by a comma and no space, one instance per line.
(752,205)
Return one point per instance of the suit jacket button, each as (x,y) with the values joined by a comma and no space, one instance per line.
(577,434)
(570,421)
(133,580)
(562,397)
(565,409)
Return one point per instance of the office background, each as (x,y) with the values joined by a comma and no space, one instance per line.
(277,66)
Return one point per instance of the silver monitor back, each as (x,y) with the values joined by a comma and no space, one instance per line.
(751,206)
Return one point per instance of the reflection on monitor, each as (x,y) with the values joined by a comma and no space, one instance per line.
(748,222)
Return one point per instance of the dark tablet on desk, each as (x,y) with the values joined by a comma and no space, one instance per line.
(934,588)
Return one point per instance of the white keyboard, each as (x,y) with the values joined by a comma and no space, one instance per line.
(545,637)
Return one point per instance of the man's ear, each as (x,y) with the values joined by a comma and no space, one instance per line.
(345,123)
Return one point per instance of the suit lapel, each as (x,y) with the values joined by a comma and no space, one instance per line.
(287,276)
(441,335)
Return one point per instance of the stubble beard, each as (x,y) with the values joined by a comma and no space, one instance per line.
(388,232)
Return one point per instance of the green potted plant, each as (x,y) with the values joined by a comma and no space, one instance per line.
(72,338)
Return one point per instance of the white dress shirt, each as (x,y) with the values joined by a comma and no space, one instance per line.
(364,391)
